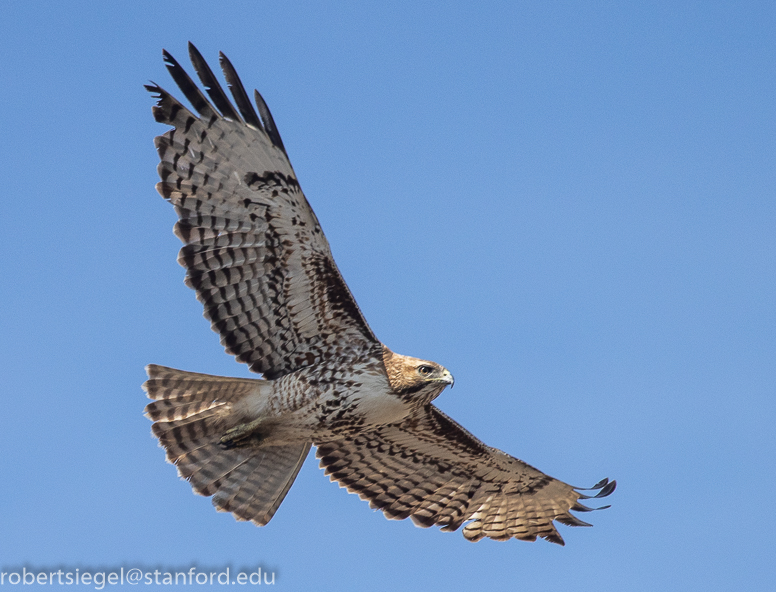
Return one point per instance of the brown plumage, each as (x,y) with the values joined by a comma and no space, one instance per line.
(259,262)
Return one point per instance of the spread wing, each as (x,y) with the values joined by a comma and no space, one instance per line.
(432,470)
(253,248)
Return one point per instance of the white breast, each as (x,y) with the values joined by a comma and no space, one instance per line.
(374,400)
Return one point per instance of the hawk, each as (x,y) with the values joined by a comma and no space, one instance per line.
(259,262)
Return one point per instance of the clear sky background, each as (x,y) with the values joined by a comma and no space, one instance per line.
(570,205)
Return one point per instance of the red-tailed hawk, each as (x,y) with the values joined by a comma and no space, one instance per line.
(261,266)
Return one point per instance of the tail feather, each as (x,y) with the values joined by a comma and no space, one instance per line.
(182,436)
(171,384)
(175,410)
(255,491)
(191,412)
(231,483)
(207,468)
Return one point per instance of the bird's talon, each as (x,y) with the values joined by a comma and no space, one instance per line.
(238,435)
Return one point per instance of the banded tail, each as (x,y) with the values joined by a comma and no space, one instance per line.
(191,412)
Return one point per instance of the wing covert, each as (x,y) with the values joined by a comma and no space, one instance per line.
(432,470)
(253,248)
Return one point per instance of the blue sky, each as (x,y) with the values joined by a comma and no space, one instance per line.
(570,205)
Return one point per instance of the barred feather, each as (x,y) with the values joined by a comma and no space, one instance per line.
(243,215)
(430,469)
(260,264)
(191,412)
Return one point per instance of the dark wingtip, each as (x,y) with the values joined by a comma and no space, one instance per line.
(604,487)
(269,122)
(220,106)
(211,84)
(186,84)
(238,92)
(570,520)
(577,507)
(170,62)
(607,489)
(554,537)
(193,51)
(161,96)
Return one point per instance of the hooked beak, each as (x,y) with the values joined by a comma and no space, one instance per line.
(448,378)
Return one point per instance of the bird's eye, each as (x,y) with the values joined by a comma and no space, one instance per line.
(425,370)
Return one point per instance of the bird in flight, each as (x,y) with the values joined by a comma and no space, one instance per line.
(260,264)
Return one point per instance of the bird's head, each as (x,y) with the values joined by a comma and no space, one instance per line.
(417,380)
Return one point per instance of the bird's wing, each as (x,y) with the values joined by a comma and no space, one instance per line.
(253,248)
(432,470)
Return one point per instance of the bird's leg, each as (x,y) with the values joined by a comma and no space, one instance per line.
(240,434)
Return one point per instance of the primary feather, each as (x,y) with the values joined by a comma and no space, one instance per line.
(259,262)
